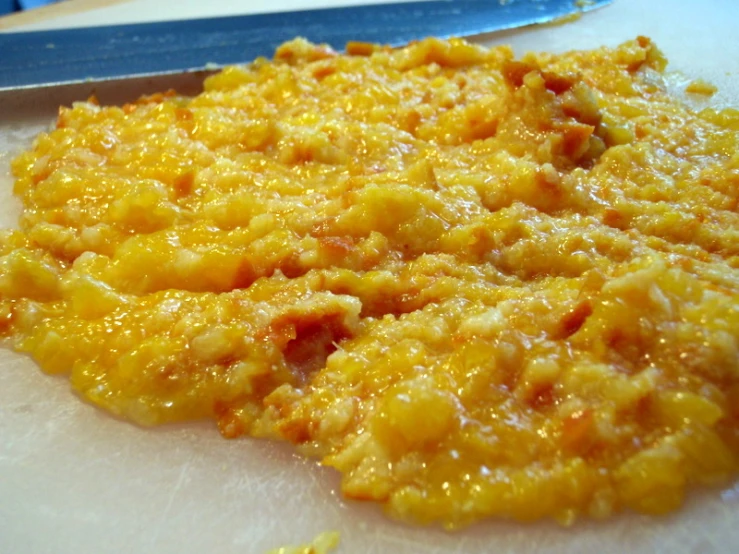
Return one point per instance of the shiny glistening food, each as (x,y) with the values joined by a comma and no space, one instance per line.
(475,286)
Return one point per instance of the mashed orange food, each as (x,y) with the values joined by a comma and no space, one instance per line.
(476,286)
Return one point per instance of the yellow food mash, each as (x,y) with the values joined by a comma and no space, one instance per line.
(476,286)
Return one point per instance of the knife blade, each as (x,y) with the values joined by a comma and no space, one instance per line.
(47,58)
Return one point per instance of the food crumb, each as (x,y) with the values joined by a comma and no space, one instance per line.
(569,18)
(699,86)
(322,544)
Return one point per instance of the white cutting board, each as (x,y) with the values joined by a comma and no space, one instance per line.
(76,480)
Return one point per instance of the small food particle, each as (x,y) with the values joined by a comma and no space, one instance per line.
(569,18)
(699,86)
(322,544)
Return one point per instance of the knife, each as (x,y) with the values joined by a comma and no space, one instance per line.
(47,58)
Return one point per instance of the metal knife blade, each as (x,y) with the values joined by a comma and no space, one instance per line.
(46,58)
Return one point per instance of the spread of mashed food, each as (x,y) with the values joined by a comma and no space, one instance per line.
(477,286)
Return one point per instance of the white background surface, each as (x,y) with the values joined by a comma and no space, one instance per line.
(75,480)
